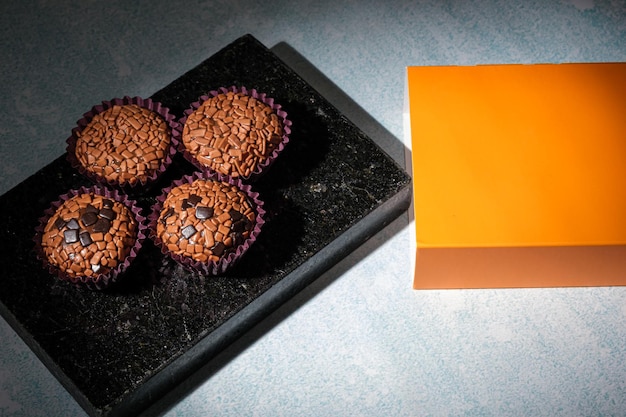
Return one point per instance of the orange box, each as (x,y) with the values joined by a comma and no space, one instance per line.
(519,175)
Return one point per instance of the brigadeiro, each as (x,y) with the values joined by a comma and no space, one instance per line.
(235,132)
(206,222)
(125,142)
(90,236)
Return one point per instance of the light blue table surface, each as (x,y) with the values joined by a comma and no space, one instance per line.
(359,341)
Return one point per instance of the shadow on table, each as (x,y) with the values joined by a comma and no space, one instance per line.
(386,141)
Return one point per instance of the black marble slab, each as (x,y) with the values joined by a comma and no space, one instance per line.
(118,351)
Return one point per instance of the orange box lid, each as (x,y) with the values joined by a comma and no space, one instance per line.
(519,156)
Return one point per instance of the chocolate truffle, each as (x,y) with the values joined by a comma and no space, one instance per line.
(89,235)
(125,144)
(233,133)
(204,220)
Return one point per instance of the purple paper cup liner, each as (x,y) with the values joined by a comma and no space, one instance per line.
(125,161)
(233,254)
(263,163)
(97,280)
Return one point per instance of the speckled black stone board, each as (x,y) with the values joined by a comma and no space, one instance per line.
(119,350)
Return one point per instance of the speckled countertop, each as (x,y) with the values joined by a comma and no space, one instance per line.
(358,341)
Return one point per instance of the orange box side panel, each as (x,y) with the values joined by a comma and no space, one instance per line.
(512,155)
(519,155)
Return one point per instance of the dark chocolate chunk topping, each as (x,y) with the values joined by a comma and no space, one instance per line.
(170,212)
(85,239)
(102,225)
(194,199)
(70,236)
(218,249)
(73,224)
(239,226)
(237,238)
(89,218)
(108,213)
(185,204)
(91,209)
(107,203)
(188,231)
(235,215)
(59,223)
(203,213)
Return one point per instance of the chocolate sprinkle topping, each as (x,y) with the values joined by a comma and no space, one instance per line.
(221,220)
(232,133)
(125,143)
(87,243)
